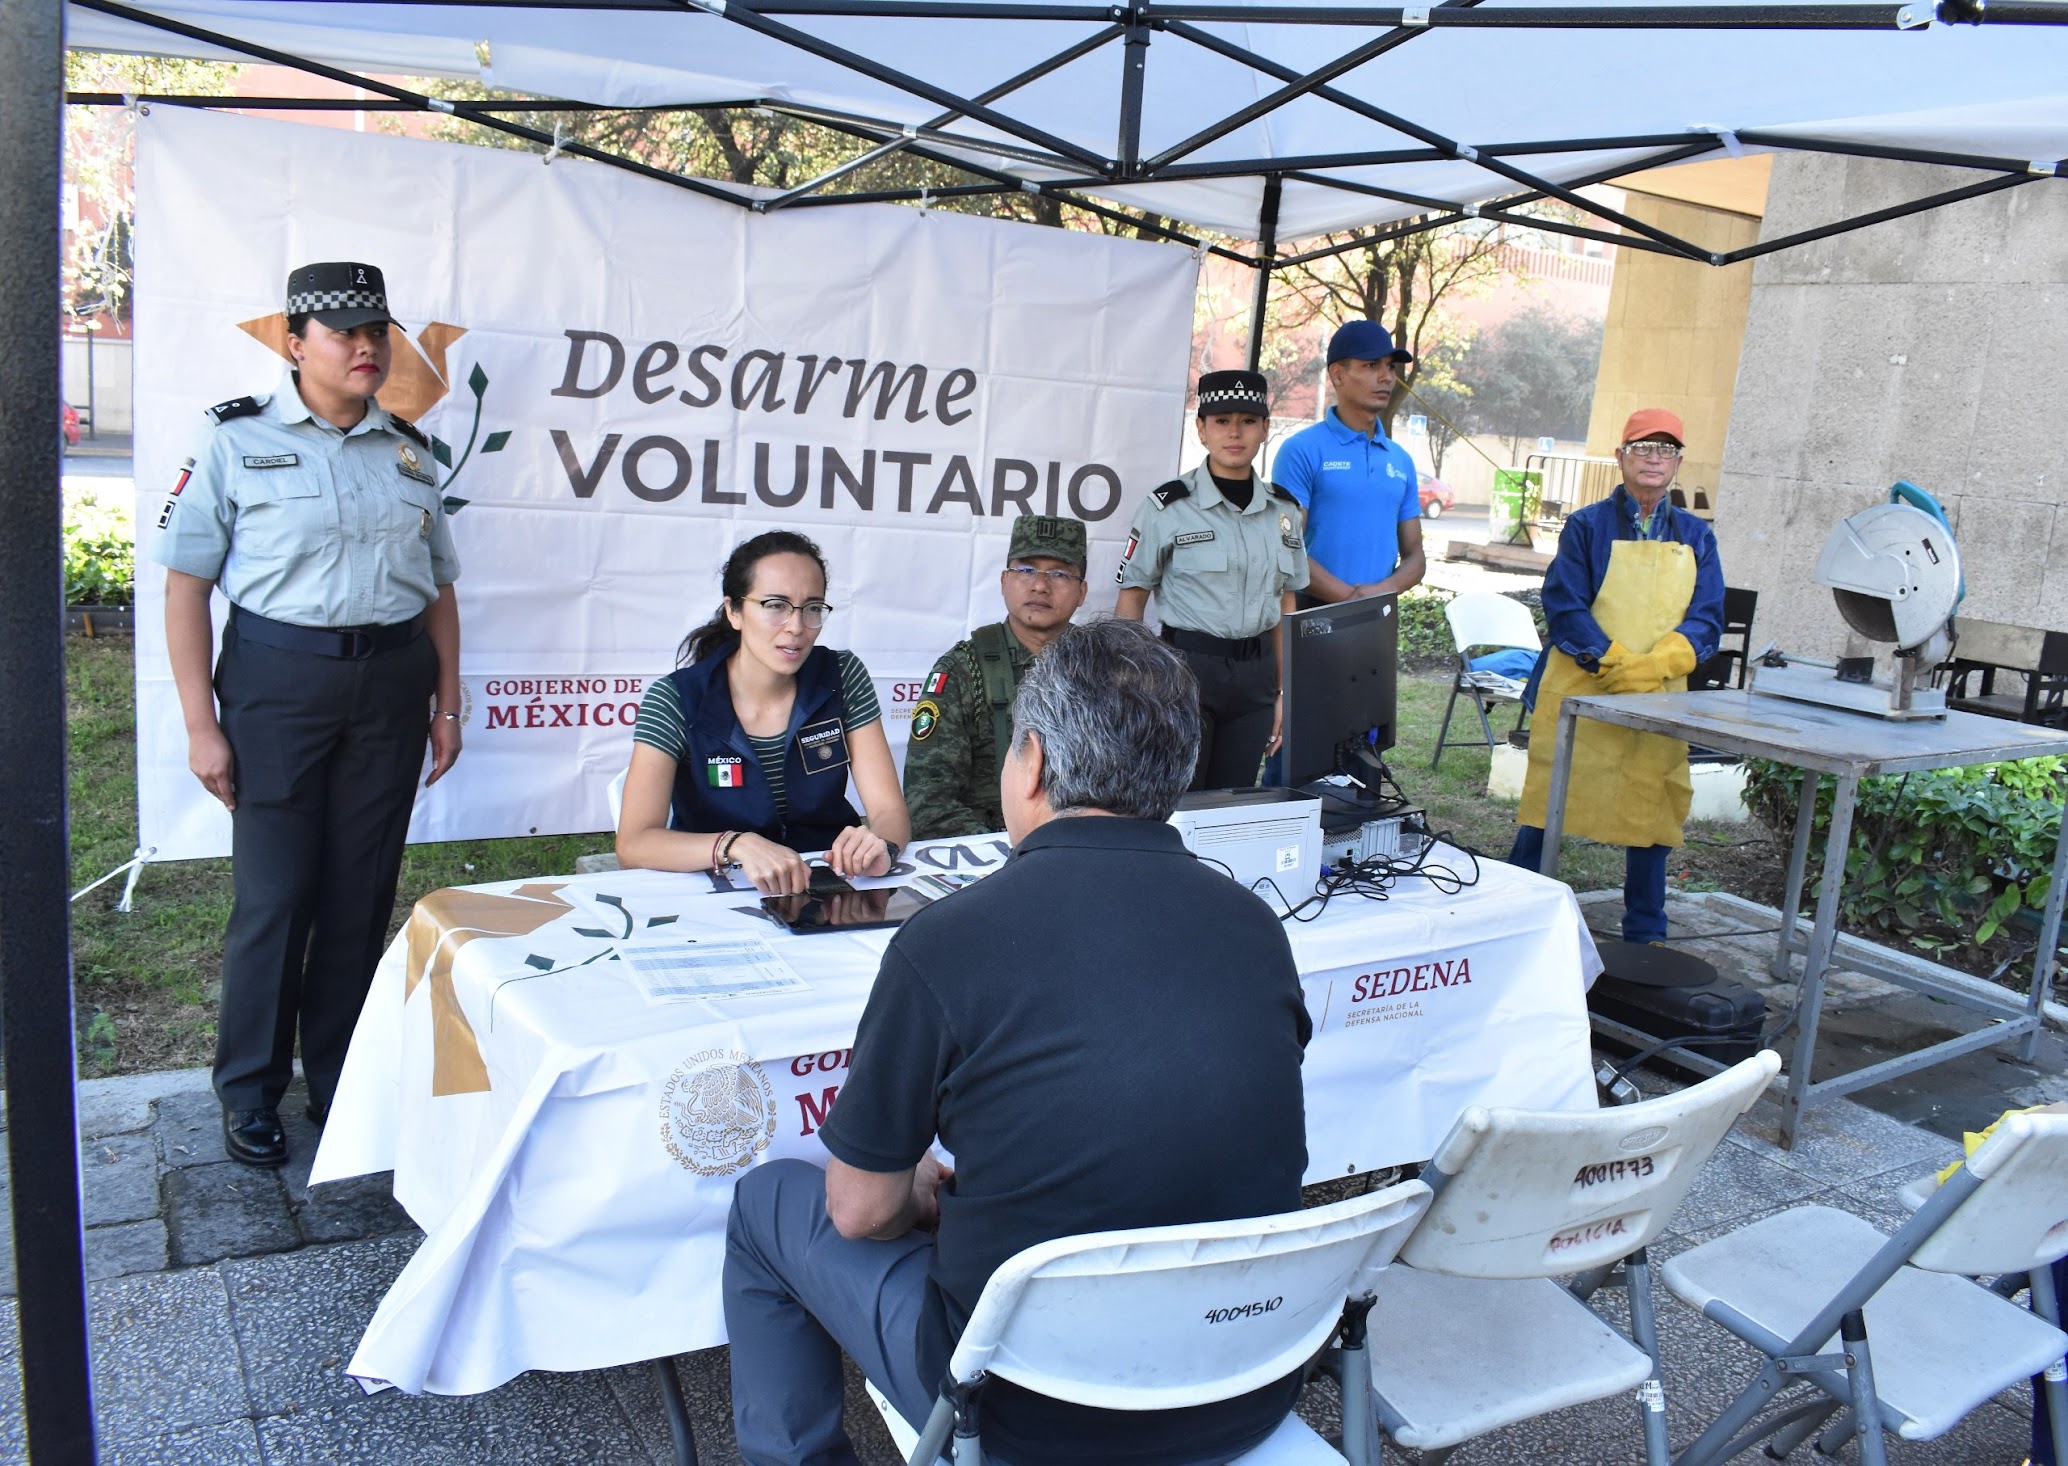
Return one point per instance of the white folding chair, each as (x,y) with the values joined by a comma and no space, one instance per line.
(616,795)
(1919,1345)
(1483,619)
(1159,1318)
(1523,1197)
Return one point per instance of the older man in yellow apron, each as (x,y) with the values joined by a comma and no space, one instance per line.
(1634,599)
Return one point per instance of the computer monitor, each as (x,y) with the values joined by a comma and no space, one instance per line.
(1339,673)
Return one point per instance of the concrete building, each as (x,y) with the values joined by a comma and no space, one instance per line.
(1928,349)
(1675,327)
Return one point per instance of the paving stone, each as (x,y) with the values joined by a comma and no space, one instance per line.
(164,1357)
(299,1317)
(705,1377)
(189,1130)
(1838,1141)
(126,1247)
(120,1173)
(6,1234)
(543,1418)
(226,1210)
(112,1112)
(232,1443)
(1737,1182)
(341,1211)
(14,1431)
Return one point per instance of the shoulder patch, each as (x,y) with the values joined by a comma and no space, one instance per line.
(1170,493)
(1285,494)
(236,407)
(410,430)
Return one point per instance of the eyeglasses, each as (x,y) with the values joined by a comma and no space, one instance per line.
(1034,575)
(1666,452)
(778,610)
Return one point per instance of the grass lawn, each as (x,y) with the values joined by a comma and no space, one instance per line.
(146,980)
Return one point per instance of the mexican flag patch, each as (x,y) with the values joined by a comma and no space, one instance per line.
(937,683)
(725,771)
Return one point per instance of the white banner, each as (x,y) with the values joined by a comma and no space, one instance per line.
(626,380)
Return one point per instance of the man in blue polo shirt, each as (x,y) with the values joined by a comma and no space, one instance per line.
(1364,511)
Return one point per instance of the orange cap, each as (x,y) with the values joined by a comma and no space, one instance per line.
(1648,420)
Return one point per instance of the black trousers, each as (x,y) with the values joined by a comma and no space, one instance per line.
(327,753)
(1237,700)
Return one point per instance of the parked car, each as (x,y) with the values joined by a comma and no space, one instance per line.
(1436,497)
(67,424)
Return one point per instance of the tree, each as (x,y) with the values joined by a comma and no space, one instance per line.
(100,153)
(1533,376)
(1403,281)
(1445,400)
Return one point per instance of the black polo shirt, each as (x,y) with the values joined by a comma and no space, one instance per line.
(1106,1033)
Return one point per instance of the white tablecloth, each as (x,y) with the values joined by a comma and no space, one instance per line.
(570,1147)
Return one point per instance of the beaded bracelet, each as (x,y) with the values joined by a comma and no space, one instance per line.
(720,849)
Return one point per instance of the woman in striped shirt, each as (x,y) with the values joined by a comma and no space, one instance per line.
(742,755)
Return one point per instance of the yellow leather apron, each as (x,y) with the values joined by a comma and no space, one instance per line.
(1626,788)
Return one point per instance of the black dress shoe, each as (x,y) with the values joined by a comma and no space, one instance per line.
(319,1111)
(254,1136)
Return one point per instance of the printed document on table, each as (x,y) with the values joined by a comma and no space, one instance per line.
(670,969)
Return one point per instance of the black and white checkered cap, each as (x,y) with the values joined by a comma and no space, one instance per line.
(340,293)
(1234,392)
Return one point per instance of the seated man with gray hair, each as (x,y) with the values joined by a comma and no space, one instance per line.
(1105,1033)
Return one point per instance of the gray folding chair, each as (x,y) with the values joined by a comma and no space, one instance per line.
(1524,1197)
(1484,619)
(1157,1318)
(1918,1345)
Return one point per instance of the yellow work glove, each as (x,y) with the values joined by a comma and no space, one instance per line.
(1672,656)
(1614,657)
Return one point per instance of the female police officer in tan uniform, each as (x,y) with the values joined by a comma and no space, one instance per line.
(317,514)
(1224,552)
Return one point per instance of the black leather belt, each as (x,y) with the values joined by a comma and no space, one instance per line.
(348,643)
(1234,648)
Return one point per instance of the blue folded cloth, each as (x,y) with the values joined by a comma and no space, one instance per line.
(1511,662)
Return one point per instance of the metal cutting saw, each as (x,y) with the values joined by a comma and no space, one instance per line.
(1894,571)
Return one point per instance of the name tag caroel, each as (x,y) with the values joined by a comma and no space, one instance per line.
(272,460)
(823,746)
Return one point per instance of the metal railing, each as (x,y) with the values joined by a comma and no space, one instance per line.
(1570,483)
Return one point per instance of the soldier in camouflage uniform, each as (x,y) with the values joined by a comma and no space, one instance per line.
(964,715)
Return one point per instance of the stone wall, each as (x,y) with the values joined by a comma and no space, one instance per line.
(1934,349)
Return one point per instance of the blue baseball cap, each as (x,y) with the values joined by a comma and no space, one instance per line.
(1365,341)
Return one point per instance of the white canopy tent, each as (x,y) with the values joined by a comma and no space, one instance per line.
(1261,120)
(1265,121)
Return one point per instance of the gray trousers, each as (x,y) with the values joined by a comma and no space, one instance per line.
(327,755)
(796,1294)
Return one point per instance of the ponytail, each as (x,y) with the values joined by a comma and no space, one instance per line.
(714,638)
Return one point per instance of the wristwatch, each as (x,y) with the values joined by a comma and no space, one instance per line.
(895,850)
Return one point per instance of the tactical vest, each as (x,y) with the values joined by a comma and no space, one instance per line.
(993,645)
(718,782)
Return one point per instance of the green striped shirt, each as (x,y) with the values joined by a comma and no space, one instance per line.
(662,726)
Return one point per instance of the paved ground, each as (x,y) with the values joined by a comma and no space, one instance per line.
(225,1301)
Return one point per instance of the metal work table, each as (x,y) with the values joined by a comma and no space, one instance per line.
(1849,747)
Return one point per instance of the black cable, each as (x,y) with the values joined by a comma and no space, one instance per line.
(1373,878)
(1683,1041)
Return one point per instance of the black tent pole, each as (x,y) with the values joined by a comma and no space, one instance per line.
(1267,247)
(36,1036)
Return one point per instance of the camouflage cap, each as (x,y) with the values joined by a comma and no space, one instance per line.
(1049,536)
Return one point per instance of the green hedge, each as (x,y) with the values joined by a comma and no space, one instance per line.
(100,551)
(1941,860)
